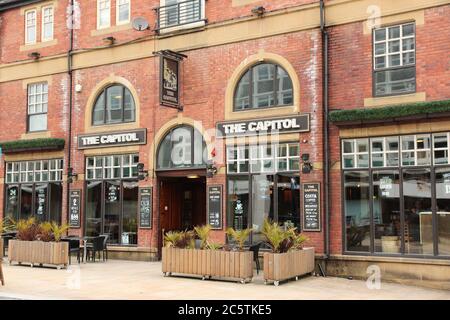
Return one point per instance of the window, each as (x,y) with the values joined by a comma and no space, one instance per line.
(37,106)
(47,23)
(263,86)
(112,197)
(270,174)
(115,104)
(103,14)
(30,27)
(397,201)
(394,55)
(34,188)
(182,147)
(180,12)
(122,11)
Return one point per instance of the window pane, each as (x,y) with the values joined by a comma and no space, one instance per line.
(394,32)
(114,104)
(129,112)
(348,146)
(408,30)
(417,205)
(386,211)
(443,210)
(288,188)
(284,87)
(124,12)
(112,210)
(93,208)
(26,196)
(130,209)
(37,122)
(242,99)
(99,110)
(262,203)
(238,201)
(380,34)
(181,147)
(357,212)
(55,202)
(40,201)
(263,85)
(395,81)
(12,202)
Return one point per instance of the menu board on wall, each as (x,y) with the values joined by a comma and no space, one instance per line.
(75,209)
(215,207)
(311,207)
(145,207)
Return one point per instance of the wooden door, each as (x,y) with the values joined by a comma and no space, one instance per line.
(169,205)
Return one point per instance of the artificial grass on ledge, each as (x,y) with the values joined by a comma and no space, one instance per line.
(393,112)
(32,145)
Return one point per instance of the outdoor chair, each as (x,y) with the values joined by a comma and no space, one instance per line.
(98,246)
(105,243)
(6,237)
(74,246)
(255,248)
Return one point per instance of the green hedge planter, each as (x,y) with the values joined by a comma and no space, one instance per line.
(419,110)
(32,145)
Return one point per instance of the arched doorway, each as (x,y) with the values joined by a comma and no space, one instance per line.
(181,173)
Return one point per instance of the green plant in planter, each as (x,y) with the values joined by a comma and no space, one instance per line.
(58,230)
(179,239)
(171,238)
(298,239)
(46,233)
(280,239)
(240,236)
(214,246)
(28,230)
(7,225)
(203,234)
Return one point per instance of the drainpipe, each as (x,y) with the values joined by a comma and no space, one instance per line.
(70,74)
(325,129)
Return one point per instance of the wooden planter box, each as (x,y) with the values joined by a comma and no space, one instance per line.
(208,263)
(38,252)
(283,266)
(1,248)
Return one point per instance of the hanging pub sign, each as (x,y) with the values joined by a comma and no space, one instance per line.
(215,207)
(169,82)
(311,207)
(112,139)
(75,208)
(145,207)
(297,123)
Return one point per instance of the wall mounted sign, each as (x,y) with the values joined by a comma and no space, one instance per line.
(214,207)
(145,207)
(41,201)
(311,207)
(298,123)
(169,82)
(75,208)
(112,139)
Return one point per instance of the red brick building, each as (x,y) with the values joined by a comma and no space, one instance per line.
(113,126)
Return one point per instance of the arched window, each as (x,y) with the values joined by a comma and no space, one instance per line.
(183,147)
(264,85)
(115,104)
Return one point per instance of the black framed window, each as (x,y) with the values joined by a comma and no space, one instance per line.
(183,147)
(264,85)
(112,191)
(115,104)
(263,182)
(34,188)
(394,60)
(37,106)
(396,198)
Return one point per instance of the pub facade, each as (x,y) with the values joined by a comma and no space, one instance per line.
(134,118)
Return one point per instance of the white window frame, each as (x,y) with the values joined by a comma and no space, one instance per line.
(27,41)
(29,168)
(355,154)
(32,107)
(119,22)
(441,149)
(385,151)
(43,39)
(98,14)
(103,168)
(194,24)
(416,150)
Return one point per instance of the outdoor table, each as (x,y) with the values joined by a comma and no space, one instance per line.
(83,240)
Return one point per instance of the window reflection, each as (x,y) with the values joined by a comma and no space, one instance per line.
(443,210)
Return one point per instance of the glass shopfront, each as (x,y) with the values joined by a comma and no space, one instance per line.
(263,183)
(396,197)
(112,197)
(34,189)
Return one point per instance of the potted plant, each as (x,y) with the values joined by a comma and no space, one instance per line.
(39,244)
(179,255)
(288,259)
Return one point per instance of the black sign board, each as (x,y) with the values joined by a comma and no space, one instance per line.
(298,123)
(41,196)
(170,82)
(311,207)
(145,207)
(215,207)
(75,208)
(112,139)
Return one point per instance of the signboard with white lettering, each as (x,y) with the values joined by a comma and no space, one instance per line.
(298,123)
(169,82)
(75,208)
(215,207)
(145,207)
(110,139)
(311,207)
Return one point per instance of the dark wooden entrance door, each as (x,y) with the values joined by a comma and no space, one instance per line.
(182,203)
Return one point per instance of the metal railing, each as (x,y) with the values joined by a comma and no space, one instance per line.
(181,13)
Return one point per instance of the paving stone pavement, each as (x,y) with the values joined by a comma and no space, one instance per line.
(143,280)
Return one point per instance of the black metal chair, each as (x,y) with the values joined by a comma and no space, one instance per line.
(98,246)
(6,237)
(74,246)
(255,248)
(105,245)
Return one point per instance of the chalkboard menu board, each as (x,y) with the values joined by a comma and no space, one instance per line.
(145,207)
(215,207)
(311,207)
(75,208)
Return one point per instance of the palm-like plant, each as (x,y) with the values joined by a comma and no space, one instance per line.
(214,246)
(58,230)
(240,236)
(28,230)
(171,238)
(203,234)
(7,225)
(46,233)
(281,240)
